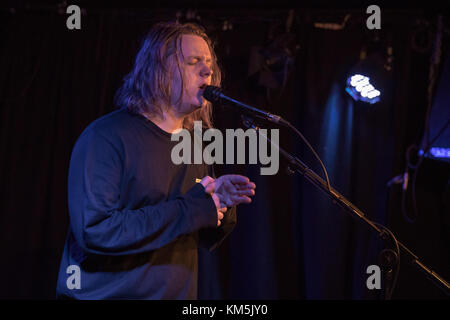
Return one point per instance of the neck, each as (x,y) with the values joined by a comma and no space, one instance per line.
(170,122)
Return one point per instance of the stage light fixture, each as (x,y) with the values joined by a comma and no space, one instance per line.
(371,74)
(360,88)
(437,152)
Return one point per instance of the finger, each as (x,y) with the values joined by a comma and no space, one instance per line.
(229,188)
(241,199)
(230,203)
(216,200)
(227,201)
(235,200)
(246,192)
(249,185)
(219,215)
(223,209)
(236,178)
(247,189)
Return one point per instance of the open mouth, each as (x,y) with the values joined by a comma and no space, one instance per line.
(203,86)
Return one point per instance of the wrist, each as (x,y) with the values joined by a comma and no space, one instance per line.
(206,180)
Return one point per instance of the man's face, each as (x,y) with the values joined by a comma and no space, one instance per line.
(196,69)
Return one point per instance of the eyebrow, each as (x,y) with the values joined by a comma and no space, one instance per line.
(209,59)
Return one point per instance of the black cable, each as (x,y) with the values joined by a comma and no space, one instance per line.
(384,228)
(435,60)
(394,239)
(415,167)
(416,172)
(397,267)
(430,144)
(312,150)
(405,190)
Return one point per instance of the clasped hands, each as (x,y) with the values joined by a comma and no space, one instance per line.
(228,191)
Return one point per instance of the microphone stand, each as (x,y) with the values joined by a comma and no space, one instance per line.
(296,165)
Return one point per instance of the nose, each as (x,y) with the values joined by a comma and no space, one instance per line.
(206,71)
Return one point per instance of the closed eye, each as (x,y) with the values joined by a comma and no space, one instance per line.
(195,60)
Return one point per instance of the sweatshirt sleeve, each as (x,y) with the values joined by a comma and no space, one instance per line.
(100,226)
(211,238)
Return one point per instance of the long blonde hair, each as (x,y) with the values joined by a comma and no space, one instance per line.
(147,88)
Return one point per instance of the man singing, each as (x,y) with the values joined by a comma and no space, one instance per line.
(136,218)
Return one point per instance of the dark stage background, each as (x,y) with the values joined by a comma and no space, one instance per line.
(291,242)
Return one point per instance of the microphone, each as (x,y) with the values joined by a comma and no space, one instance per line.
(214,94)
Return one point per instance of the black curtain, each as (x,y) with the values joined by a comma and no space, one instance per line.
(291,242)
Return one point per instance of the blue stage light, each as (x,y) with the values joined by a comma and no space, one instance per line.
(437,152)
(440,152)
(360,88)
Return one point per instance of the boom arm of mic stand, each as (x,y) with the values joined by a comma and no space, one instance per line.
(340,200)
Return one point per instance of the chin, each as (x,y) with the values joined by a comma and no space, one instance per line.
(200,104)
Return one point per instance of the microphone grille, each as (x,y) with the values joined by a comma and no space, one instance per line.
(212,93)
